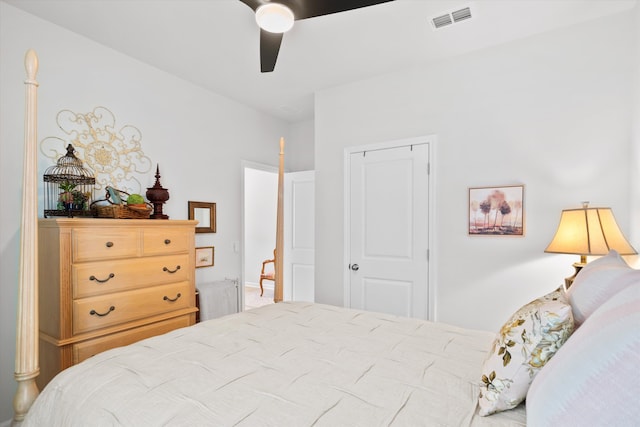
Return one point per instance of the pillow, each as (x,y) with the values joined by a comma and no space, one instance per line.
(595,377)
(523,346)
(598,281)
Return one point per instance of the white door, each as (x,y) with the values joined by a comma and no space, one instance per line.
(299,228)
(388,230)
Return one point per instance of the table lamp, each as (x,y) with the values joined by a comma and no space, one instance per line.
(588,231)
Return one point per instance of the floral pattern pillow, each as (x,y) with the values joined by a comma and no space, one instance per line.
(523,346)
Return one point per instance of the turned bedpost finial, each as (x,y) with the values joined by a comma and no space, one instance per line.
(31,65)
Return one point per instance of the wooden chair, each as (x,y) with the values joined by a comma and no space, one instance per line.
(268,275)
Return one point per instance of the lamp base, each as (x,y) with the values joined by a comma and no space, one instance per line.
(569,280)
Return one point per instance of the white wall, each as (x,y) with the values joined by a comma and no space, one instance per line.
(551,112)
(634,157)
(299,148)
(199,139)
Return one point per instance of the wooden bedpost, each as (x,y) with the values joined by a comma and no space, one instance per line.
(278,266)
(27,368)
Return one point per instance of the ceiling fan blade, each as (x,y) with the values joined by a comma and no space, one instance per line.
(253,4)
(303,9)
(311,8)
(269,48)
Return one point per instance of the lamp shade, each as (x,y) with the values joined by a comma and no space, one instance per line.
(274,18)
(589,231)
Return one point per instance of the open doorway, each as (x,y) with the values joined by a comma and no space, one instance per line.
(260,208)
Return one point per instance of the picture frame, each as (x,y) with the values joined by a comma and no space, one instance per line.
(204,256)
(205,214)
(496,211)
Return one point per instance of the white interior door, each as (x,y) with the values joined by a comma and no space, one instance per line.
(389,230)
(299,244)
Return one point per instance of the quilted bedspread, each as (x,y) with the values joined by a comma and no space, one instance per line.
(286,364)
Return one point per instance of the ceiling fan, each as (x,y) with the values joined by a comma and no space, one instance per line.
(276,17)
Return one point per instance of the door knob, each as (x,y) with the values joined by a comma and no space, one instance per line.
(355,267)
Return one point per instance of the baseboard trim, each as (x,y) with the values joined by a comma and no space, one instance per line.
(255,285)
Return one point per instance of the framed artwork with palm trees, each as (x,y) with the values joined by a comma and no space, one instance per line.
(496,211)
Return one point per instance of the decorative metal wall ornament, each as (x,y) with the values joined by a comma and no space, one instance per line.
(114,156)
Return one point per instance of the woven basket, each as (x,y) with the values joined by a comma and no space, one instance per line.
(123,211)
(117,209)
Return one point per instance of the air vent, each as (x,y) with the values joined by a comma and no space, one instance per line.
(442,21)
(451,18)
(461,15)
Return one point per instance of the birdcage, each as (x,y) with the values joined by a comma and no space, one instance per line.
(68,187)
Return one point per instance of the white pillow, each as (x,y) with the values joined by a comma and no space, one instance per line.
(598,281)
(594,380)
(523,346)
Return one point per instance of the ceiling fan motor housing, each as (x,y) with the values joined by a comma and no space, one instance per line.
(274,18)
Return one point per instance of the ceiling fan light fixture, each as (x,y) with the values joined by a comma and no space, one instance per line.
(274,17)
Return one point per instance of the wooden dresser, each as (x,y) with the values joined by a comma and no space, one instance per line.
(106,283)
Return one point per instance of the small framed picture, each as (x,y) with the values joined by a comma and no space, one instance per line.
(204,256)
(496,211)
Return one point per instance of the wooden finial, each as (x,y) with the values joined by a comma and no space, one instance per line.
(31,66)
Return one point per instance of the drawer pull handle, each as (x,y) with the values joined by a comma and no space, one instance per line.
(111,276)
(93,312)
(167,241)
(109,244)
(171,271)
(166,298)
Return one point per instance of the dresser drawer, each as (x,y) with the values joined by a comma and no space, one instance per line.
(111,309)
(86,349)
(98,278)
(159,241)
(91,245)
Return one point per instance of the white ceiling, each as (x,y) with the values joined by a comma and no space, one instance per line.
(215,43)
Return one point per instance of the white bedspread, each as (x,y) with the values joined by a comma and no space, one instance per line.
(287,364)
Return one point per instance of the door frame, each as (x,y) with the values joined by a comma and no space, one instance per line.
(287,278)
(432,273)
(246,164)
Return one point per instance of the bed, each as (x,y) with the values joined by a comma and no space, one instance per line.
(307,364)
(285,364)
